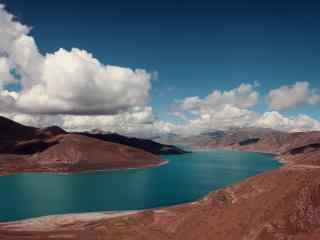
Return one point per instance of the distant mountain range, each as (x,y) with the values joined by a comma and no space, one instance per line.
(288,145)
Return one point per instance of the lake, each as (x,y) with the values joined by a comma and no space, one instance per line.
(185,178)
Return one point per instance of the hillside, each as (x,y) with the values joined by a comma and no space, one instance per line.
(75,153)
(144,144)
(25,149)
(19,139)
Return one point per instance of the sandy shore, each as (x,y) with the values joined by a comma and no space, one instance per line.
(52,222)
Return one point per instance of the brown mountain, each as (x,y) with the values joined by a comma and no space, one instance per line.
(16,138)
(24,148)
(144,144)
(14,131)
(251,139)
(75,152)
(19,139)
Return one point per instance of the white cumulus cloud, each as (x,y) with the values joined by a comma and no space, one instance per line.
(222,110)
(66,82)
(244,96)
(139,121)
(287,97)
(298,123)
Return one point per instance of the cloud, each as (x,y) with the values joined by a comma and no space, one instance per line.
(6,76)
(76,83)
(294,124)
(74,90)
(138,120)
(222,110)
(71,89)
(122,123)
(234,117)
(9,28)
(7,101)
(244,96)
(287,97)
(227,116)
(141,122)
(65,82)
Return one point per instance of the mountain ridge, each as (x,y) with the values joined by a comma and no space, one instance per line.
(52,149)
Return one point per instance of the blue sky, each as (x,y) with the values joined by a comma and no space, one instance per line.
(194,46)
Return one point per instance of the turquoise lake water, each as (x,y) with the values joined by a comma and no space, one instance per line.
(185,178)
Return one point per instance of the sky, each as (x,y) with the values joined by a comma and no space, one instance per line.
(146,68)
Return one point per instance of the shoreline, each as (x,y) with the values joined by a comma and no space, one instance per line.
(51,222)
(163,162)
(111,214)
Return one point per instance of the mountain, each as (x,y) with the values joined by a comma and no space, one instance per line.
(144,144)
(19,139)
(290,146)
(16,138)
(264,140)
(75,152)
(24,148)
(235,138)
(13,131)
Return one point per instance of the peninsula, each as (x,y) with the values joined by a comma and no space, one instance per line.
(29,149)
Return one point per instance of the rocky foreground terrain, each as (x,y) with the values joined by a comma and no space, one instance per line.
(282,204)
(29,149)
